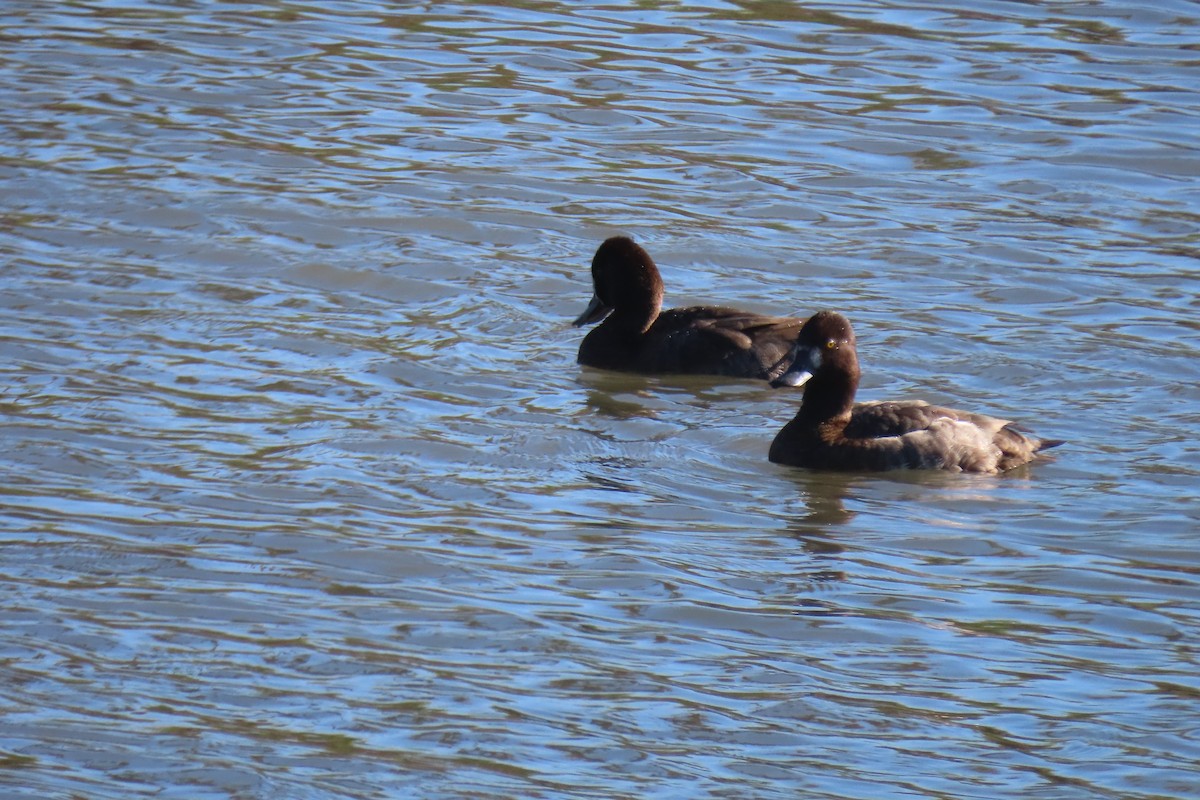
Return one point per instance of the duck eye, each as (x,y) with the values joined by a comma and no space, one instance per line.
(831,344)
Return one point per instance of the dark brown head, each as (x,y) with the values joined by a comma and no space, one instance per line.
(625,280)
(825,343)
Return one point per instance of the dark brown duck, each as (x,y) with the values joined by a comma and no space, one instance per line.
(833,432)
(635,336)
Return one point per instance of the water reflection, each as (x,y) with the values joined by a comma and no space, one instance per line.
(822,496)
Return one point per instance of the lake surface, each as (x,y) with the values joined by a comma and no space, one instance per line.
(304,495)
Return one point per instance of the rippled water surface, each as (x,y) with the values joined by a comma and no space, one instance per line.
(304,495)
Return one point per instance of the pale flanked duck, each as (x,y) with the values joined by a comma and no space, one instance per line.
(637,336)
(832,432)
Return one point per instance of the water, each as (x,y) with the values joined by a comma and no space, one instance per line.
(305,497)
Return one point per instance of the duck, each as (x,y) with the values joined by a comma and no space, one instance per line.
(636,335)
(832,432)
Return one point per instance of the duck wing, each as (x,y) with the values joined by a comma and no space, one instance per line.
(742,328)
(725,341)
(895,418)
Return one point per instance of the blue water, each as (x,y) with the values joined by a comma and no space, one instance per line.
(304,495)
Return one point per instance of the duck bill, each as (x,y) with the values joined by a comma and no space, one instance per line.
(595,312)
(804,363)
(793,378)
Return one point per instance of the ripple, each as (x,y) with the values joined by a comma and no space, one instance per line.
(306,496)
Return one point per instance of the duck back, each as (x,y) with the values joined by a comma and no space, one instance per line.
(891,435)
(698,340)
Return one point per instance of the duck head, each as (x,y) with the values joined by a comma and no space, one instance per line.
(624,279)
(825,343)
